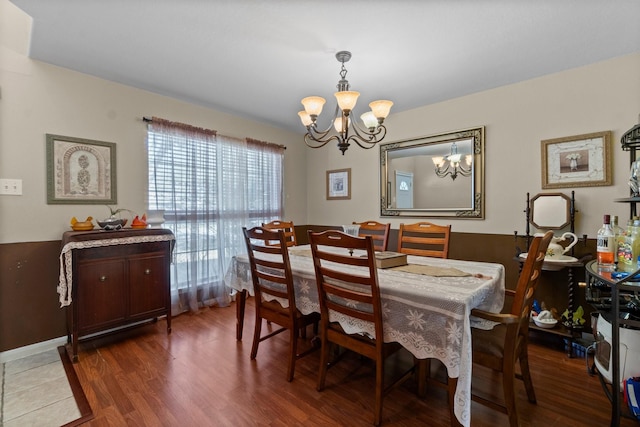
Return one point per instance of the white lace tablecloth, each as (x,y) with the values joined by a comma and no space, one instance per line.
(429,316)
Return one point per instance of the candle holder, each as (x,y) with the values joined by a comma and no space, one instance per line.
(351,230)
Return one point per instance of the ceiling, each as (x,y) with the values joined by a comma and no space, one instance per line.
(257,59)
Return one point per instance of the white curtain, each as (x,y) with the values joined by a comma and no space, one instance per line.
(209,186)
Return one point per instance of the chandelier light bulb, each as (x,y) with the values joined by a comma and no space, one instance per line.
(337,124)
(305,118)
(313,105)
(454,159)
(381,108)
(438,161)
(347,99)
(369,120)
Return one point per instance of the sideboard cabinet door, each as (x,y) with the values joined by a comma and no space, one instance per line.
(148,283)
(102,293)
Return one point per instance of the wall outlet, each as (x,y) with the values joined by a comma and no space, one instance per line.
(11,187)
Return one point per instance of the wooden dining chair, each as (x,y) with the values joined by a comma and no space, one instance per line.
(353,295)
(287,227)
(273,285)
(378,231)
(501,347)
(424,239)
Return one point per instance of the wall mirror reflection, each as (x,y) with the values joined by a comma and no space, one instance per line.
(439,175)
(550,211)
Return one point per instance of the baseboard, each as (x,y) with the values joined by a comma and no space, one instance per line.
(39,347)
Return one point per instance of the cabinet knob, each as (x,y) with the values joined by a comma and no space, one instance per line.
(103,278)
(147,271)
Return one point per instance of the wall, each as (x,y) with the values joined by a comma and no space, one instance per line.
(598,97)
(38,98)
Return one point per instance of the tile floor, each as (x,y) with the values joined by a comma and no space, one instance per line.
(36,393)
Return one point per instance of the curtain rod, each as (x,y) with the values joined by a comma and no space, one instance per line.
(284,147)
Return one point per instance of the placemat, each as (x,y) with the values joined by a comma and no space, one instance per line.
(429,270)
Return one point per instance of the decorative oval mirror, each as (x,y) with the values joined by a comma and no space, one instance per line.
(550,211)
(434,176)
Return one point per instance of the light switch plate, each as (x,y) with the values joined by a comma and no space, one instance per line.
(11,187)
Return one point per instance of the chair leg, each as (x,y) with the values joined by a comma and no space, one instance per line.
(423,372)
(508,376)
(303,332)
(293,346)
(377,410)
(324,362)
(241,300)
(526,377)
(256,337)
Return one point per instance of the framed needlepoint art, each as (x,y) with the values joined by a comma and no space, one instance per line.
(80,171)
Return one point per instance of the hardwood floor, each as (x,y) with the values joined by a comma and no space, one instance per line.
(199,375)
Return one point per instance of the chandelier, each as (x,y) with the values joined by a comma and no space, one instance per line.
(452,165)
(346,129)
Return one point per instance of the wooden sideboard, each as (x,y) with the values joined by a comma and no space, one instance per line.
(118,279)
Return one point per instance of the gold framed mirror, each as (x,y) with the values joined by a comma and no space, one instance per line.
(439,175)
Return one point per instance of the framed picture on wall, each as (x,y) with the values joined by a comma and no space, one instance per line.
(80,171)
(339,184)
(577,161)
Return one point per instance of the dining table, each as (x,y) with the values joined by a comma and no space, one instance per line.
(426,306)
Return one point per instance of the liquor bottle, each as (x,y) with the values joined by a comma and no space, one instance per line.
(625,250)
(606,246)
(617,232)
(635,242)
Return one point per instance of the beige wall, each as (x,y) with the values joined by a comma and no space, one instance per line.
(598,97)
(37,98)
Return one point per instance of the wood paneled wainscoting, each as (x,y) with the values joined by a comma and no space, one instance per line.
(30,311)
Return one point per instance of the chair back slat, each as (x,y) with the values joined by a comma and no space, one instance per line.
(528,281)
(424,239)
(339,288)
(378,231)
(272,275)
(287,227)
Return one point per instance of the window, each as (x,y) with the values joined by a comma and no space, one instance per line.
(209,186)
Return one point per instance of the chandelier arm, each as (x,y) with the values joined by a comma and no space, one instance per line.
(372,139)
(443,172)
(372,136)
(313,142)
(316,135)
(465,172)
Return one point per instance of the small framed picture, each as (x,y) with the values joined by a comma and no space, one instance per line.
(339,184)
(80,171)
(577,161)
